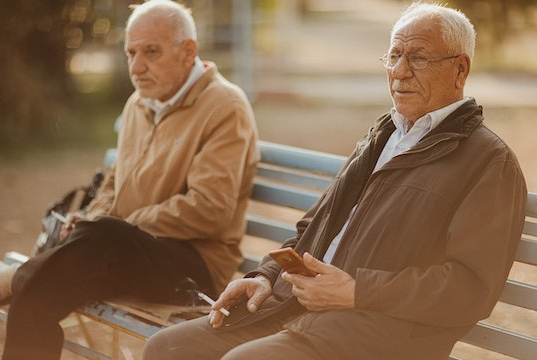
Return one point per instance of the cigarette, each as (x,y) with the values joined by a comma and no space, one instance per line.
(59,216)
(212,302)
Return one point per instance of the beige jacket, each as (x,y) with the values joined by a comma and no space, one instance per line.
(189,177)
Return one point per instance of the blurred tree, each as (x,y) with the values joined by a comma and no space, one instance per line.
(495,21)
(39,94)
(35,83)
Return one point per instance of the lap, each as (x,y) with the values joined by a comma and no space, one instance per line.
(196,339)
(121,259)
(362,335)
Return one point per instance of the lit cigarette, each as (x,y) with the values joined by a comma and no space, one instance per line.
(211,302)
(59,216)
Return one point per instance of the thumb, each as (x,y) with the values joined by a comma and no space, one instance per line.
(315,264)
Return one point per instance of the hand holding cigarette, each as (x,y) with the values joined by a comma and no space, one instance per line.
(212,302)
(68,222)
(59,216)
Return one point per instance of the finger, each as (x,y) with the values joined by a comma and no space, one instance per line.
(216,319)
(233,293)
(257,298)
(315,264)
(296,279)
(224,301)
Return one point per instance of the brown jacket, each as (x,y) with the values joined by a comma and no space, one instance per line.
(430,244)
(189,177)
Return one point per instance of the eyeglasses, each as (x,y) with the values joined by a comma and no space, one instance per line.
(415,62)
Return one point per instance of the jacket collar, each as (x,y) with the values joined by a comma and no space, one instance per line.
(443,139)
(211,71)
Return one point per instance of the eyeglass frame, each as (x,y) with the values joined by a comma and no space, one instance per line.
(384,59)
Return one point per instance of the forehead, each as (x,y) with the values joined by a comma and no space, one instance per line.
(416,35)
(149,30)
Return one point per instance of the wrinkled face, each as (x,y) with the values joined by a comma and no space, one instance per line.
(417,92)
(158,66)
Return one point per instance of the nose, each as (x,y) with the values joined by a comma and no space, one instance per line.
(137,65)
(401,69)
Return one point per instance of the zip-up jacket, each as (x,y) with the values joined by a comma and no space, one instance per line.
(430,243)
(190,176)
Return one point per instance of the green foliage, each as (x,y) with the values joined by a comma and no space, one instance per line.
(40,100)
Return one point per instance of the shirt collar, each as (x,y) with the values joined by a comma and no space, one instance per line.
(430,120)
(158,106)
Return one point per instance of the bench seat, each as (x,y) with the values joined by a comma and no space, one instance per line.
(288,182)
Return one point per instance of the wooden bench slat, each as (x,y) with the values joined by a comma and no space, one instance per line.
(284,195)
(287,175)
(503,341)
(530,228)
(84,351)
(531,206)
(250,263)
(520,294)
(527,251)
(269,229)
(110,157)
(120,319)
(300,158)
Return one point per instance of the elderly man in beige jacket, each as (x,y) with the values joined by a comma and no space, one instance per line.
(172,208)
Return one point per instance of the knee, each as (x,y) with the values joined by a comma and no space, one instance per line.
(156,347)
(189,340)
(105,228)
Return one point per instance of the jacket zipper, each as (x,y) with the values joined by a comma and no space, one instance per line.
(375,174)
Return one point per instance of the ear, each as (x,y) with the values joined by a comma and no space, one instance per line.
(463,70)
(189,48)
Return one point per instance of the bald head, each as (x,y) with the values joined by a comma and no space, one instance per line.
(157,11)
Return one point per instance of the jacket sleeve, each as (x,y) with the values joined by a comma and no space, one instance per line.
(481,242)
(214,182)
(268,266)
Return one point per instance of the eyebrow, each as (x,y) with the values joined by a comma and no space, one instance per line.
(411,49)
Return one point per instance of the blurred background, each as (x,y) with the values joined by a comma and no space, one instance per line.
(309,67)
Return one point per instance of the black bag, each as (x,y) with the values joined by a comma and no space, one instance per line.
(75,200)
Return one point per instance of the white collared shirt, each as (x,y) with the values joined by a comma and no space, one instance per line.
(400,141)
(159,107)
(403,139)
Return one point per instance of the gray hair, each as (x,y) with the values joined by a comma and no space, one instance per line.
(179,15)
(458,33)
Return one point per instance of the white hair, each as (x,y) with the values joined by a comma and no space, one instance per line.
(179,15)
(458,33)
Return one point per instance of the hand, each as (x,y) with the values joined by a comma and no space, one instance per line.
(72,218)
(332,289)
(256,290)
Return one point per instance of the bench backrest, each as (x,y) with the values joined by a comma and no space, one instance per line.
(290,177)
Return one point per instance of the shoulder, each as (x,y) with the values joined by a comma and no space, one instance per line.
(222,90)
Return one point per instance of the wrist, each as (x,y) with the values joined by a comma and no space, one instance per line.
(264,279)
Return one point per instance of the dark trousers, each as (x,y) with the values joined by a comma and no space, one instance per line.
(100,259)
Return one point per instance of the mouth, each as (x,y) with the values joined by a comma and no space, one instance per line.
(142,81)
(402,92)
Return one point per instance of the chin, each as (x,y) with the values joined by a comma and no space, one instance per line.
(147,94)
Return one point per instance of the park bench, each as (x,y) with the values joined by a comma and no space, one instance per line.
(289,180)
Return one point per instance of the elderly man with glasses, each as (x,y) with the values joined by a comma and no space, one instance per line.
(413,241)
